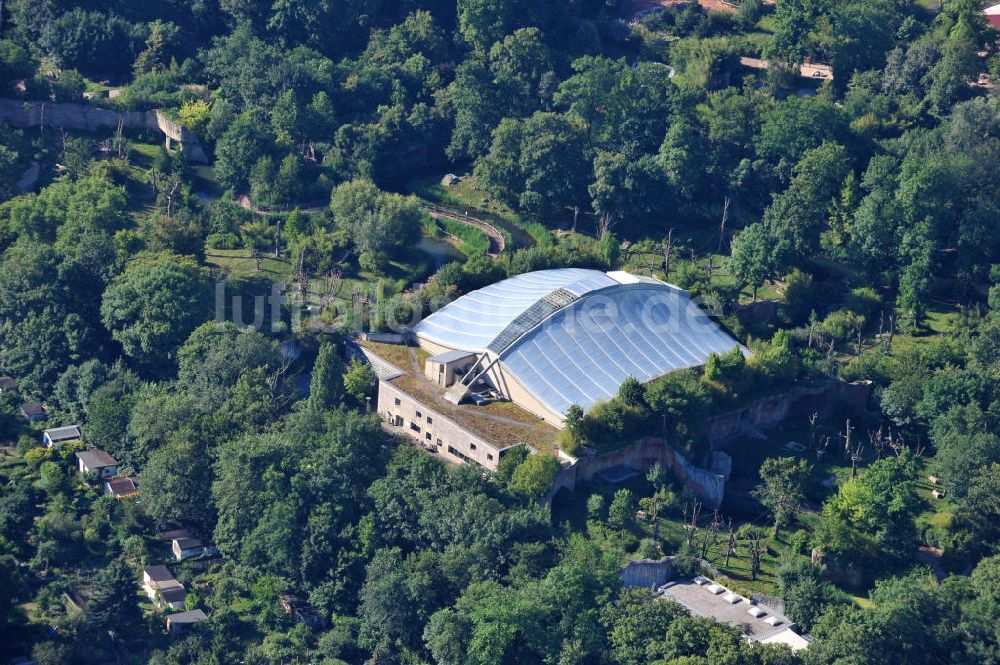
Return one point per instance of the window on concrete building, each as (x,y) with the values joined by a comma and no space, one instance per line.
(398,402)
(472,446)
(430,421)
(415,427)
(419,415)
(428,436)
(439,442)
(489,456)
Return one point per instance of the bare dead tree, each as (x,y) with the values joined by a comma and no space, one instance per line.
(755,542)
(119,140)
(731,544)
(859,341)
(710,536)
(813,418)
(301,276)
(722,226)
(576,215)
(278,227)
(668,246)
(691,527)
(604,224)
(853,453)
(276,383)
(814,333)
(173,184)
(331,287)
(821,450)
(877,440)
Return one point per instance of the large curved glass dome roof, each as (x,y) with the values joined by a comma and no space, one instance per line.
(471,322)
(573,336)
(585,351)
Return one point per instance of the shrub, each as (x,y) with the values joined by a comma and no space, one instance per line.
(534,476)
(841,324)
(863,301)
(194,114)
(569,442)
(223,241)
(649,549)
(800,296)
(691,278)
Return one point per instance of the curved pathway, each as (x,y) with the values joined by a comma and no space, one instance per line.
(497,243)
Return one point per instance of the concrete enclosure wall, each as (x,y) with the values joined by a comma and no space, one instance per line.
(647,573)
(92,119)
(709,486)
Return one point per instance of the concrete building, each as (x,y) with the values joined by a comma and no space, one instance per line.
(445,368)
(993,16)
(703,597)
(123,487)
(97,460)
(500,366)
(187,547)
(60,435)
(180,623)
(163,588)
(34,412)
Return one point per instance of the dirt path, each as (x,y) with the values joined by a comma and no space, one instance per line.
(247,204)
(497,243)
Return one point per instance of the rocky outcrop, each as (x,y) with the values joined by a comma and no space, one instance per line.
(82,117)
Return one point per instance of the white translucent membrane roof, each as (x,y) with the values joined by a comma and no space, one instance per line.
(585,351)
(471,322)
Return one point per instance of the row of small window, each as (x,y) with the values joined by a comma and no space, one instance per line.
(416,428)
(430,421)
(464,457)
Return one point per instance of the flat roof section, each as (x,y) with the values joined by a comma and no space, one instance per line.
(699,600)
(503,424)
(450,356)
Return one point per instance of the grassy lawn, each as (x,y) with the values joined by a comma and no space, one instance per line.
(766,23)
(239,263)
(940,319)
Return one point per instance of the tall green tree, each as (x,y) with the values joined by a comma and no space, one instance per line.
(782,487)
(114,607)
(153,306)
(326,388)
